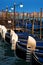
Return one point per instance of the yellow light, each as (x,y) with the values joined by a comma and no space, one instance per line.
(9,21)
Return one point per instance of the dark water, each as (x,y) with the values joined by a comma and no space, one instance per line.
(7,56)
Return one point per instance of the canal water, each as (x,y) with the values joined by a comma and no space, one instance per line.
(7,56)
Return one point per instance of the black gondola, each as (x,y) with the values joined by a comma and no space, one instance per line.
(7,36)
(9,51)
(21,48)
(36,57)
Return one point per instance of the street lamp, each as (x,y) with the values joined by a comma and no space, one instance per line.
(21,5)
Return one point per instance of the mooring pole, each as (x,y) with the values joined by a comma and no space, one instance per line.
(40,23)
(33,25)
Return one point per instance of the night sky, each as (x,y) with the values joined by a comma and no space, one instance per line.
(29,5)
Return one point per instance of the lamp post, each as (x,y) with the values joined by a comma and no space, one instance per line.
(6,19)
(21,5)
(2,17)
(6,12)
(14,14)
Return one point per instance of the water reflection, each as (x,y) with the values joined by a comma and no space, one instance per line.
(7,56)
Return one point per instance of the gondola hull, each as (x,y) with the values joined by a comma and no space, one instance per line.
(21,51)
(9,51)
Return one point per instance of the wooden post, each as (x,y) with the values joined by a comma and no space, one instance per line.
(26,20)
(2,17)
(40,23)
(18,23)
(33,25)
(29,17)
(2,13)
(23,19)
(18,19)
(37,21)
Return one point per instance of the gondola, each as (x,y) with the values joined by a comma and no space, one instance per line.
(9,51)
(7,36)
(21,48)
(36,57)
